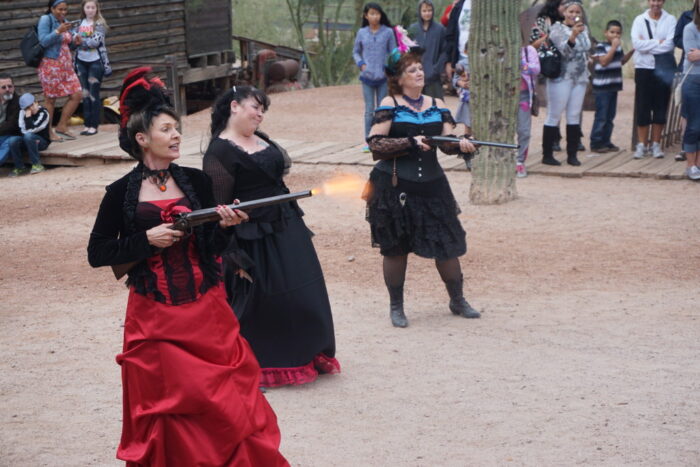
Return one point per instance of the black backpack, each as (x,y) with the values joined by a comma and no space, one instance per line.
(32,51)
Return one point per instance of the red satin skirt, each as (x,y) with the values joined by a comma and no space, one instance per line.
(190,388)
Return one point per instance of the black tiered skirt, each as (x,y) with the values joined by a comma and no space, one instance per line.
(414,217)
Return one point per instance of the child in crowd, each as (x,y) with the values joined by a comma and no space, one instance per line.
(34,124)
(460,80)
(529,69)
(374,42)
(607,83)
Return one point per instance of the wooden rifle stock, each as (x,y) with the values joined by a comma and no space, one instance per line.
(454,139)
(185,222)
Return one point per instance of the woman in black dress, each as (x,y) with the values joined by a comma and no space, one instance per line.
(273,277)
(410,206)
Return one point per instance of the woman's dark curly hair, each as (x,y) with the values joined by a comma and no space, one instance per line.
(221,111)
(551,11)
(407,59)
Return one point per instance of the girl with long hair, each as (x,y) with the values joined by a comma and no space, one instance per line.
(91,62)
(374,42)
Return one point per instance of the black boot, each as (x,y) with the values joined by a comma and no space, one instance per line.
(548,135)
(581,147)
(398,318)
(458,305)
(556,146)
(573,140)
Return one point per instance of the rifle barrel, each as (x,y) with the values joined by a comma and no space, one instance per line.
(454,139)
(191,219)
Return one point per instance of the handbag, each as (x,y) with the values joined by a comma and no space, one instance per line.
(550,61)
(535,106)
(665,64)
(30,46)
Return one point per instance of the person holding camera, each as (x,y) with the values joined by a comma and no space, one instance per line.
(566,93)
(56,74)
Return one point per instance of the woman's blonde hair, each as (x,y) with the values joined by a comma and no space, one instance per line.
(99,19)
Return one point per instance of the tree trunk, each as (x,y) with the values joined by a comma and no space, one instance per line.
(494,63)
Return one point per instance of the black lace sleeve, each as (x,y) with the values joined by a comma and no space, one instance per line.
(223,181)
(385,147)
(382,115)
(447,117)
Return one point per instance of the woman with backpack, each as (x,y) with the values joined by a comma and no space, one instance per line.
(56,74)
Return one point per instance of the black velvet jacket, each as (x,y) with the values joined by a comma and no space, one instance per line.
(115,239)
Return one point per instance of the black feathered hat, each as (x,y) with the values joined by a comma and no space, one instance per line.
(140,92)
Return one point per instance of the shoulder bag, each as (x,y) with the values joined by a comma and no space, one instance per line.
(550,60)
(30,46)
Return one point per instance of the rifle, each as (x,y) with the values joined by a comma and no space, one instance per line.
(434,140)
(186,221)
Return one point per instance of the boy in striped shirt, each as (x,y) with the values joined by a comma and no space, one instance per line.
(607,82)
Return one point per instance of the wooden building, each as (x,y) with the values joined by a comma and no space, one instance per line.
(196,34)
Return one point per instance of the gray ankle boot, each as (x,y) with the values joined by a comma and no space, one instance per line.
(398,318)
(458,305)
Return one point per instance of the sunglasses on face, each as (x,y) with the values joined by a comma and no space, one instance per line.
(7,86)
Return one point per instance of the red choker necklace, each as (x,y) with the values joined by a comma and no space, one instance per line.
(158,177)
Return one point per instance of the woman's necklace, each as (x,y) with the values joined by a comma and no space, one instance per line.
(158,177)
(416,104)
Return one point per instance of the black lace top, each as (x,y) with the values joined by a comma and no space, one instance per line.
(238,175)
(399,151)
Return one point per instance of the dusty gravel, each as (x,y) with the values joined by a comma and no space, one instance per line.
(587,352)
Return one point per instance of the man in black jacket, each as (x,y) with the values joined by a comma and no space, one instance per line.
(9,116)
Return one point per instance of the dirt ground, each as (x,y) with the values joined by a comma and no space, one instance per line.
(587,352)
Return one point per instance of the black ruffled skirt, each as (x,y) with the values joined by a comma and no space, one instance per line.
(419,218)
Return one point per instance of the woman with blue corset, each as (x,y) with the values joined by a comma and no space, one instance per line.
(56,74)
(410,206)
(373,43)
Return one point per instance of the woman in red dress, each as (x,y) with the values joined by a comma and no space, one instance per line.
(190,381)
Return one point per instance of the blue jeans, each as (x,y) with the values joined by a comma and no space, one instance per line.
(90,75)
(33,142)
(605,110)
(691,103)
(373,95)
(11,145)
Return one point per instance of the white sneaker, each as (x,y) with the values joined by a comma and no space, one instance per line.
(656,151)
(640,152)
(520,170)
(693,172)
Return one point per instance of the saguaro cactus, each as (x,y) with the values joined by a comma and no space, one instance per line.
(494,60)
